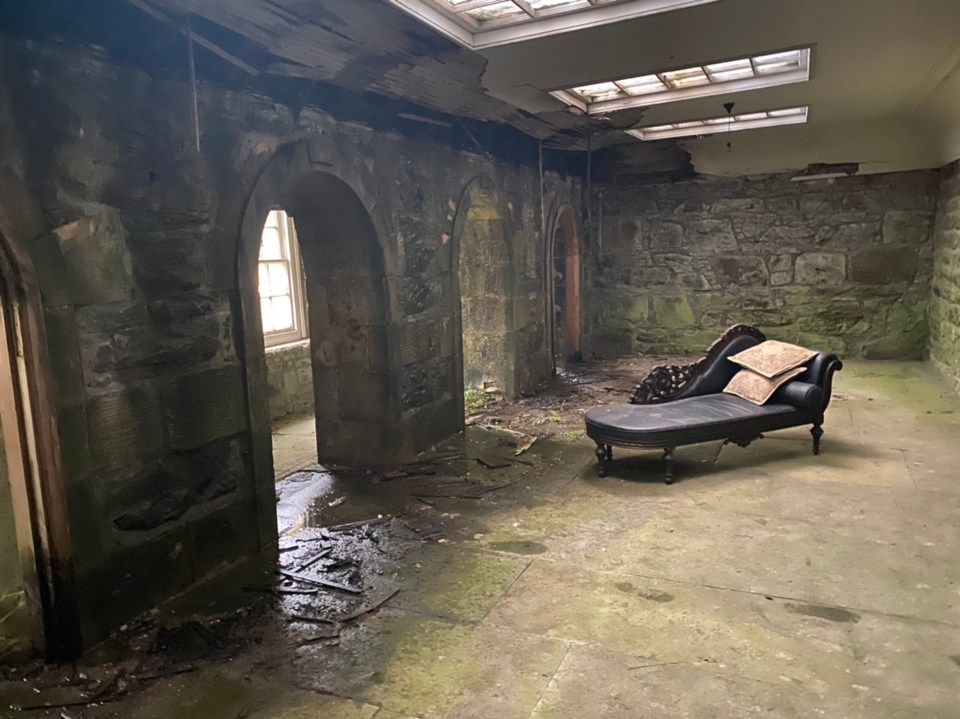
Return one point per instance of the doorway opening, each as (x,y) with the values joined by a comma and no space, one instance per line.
(483,268)
(566,286)
(312,277)
(38,609)
(281,287)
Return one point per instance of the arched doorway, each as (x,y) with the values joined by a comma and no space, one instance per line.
(483,272)
(566,280)
(38,602)
(346,314)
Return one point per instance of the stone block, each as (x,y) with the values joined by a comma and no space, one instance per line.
(883,265)
(85,514)
(783,237)
(741,271)
(123,342)
(856,234)
(666,237)
(821,268)
(124,428)
(902,227)
(708,237)
(364,396)
(737,204)
(785,204)
(170,261)
(85,262)
(671,311)
(63,350)
(74,442)
(222,535)
(201,407)
(751,227)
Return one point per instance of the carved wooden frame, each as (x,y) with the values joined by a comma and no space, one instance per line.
(665,382)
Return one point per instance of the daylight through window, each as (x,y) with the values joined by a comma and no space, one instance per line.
(748,121)
(747,73)
(279,281)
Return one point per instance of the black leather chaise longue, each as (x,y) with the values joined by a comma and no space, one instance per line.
(679,405)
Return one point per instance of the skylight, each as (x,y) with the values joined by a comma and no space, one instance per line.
(480,24)
(749,121)
(748,73)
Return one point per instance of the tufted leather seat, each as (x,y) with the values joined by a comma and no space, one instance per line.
(700,411)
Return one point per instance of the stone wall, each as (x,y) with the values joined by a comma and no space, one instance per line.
(290,379)
(945,306)
(140,241)
(842,264)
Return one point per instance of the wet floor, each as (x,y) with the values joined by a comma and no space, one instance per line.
(482,583)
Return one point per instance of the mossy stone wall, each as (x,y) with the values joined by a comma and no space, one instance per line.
(842,265)
(945,305)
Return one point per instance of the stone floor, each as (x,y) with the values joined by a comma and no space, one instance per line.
(765,582)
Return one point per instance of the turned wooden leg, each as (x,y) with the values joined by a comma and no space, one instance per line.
(668,464)
(817,432)
(604,454)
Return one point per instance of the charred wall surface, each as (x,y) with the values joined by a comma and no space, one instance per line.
(840,264)
(161,389)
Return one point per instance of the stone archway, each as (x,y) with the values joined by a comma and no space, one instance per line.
(566,287)
(355,388)
(482,272)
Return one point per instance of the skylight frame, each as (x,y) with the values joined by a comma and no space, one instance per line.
(439,15)
(758,80)
(776,117)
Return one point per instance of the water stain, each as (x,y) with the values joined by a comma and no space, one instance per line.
(521,547)
(831,614)
(955,659)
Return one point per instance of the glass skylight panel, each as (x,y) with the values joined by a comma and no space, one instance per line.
(564,4)
(715,78)
(716,125)
(778,62)
(479,24)
(643,85)
(688,77)
(496,11)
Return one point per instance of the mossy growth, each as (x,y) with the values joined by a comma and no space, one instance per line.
(476,400)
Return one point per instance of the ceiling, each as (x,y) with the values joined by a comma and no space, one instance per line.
(884,89)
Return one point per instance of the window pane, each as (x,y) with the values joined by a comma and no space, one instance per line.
(282,313)
(263,280)
(266,314)
(688,77)
(270,248)
(279,279)
(566,4)
(598,91)
(497,11)
(642,85)
(273,219)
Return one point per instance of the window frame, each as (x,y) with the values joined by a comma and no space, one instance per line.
(290,248)
(674,91)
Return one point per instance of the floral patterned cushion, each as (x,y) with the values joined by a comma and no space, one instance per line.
(754,387)
(771,358)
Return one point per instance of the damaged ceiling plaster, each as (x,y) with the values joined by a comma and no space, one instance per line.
(865,103)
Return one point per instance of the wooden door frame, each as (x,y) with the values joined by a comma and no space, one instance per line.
(565,218)
(34,462)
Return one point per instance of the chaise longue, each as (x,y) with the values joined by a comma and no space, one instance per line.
(678,405)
